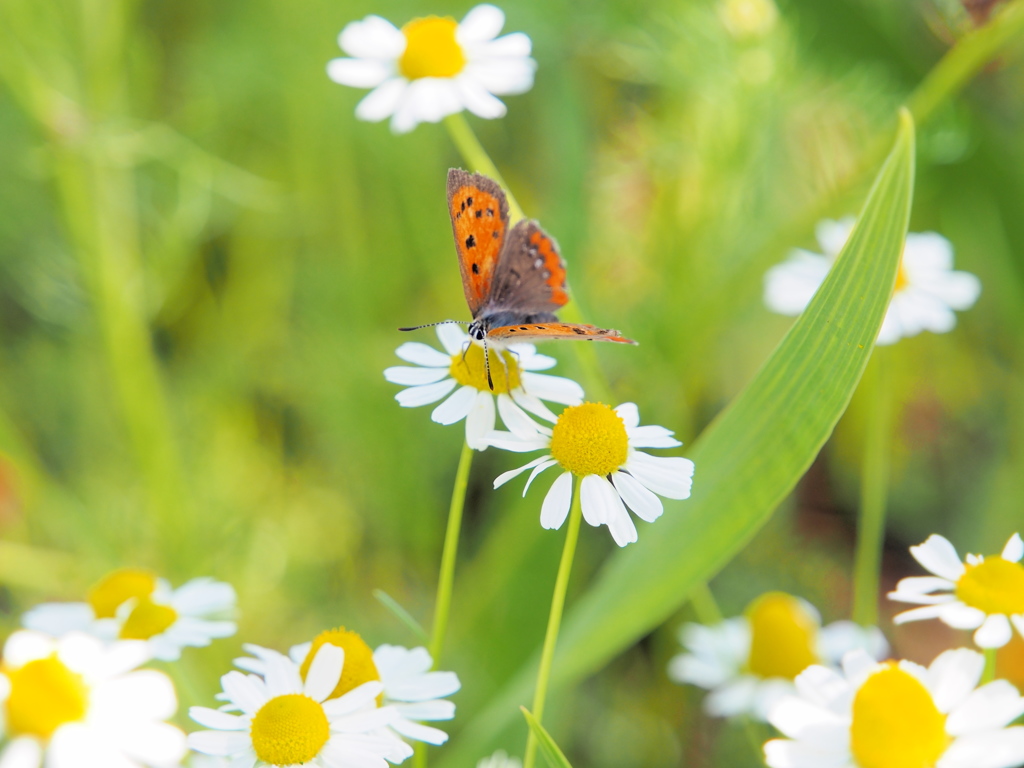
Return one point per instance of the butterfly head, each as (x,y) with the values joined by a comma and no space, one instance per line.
(477,330)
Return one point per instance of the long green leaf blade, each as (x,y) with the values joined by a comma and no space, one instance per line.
(747,461)
(554,756)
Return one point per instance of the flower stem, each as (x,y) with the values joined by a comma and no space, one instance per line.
(705,605)
(874,490)
(554,620)
(476,157)
(442,605)
(990,666)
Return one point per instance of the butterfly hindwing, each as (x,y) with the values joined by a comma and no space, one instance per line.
(530,332)
(479,213)
(530,274)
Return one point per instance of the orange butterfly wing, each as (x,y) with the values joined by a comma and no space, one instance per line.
(531,332)
(479,213)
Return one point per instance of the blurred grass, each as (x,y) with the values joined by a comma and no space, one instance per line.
(192,341)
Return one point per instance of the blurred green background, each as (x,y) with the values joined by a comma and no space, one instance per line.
(204,259)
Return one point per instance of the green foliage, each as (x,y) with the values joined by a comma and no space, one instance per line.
(552,754)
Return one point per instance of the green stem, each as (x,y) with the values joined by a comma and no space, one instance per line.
(555,619)
(443,603)
(874,491)
(705,605)
(990,666)
(476,157)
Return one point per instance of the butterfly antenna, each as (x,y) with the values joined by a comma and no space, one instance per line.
(487,365)
(431,325)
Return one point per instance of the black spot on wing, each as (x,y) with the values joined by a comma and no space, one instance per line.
(476,268)
(470,241)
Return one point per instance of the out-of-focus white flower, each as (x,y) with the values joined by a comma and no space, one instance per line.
(78,702)
(898,714)
(927,292)
(517,385)
(133,604)
(984,594)
(599,445)
(433,67)
(749,662)
(500,759)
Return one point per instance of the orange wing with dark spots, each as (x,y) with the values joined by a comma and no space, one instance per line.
(530,276)
(479,213)
(531,332)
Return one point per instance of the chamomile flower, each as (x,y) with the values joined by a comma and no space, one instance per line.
(500,759)
(898,715)
(984,594)
(133,604)
(410,687)
(286,720)
(749,662)
(433,67)
(461,368)
(599,446)
(79,702)
(927,291)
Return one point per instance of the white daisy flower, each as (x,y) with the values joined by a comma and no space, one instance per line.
(461,368)
(500,759)
(288,721)
(599,446)
(410,687)
(133,604)
(749,662)
(79,702)
(433,67)
(898,715)
(927,288)
(982,594)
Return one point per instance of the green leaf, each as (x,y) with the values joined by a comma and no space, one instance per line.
(402,615)
(747,461)
(554,756)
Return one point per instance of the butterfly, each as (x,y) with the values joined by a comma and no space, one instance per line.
(515,279)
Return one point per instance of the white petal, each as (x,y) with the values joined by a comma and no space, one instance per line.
(382,101)
(546,464)
(734,698)
(652,437)
(480,421)
(435,709)
(668,476)
(482,23)
(533,405)
(998,749)
(58,619)
(452,338)
(629,414)
(220,721)
(352,706)
(531,360)
(554,389)
(426,100)
(794,716)
(246,691)
(822,686)
(396,663)
(478,100)
(994,633)
(414,377)
(507,49)
(504,477)
(503,76)
(601,504)
(429,393)
(952,677)
(920,614)
(1014,549)
(832,235)
(509,442)
(555,507)
(841,637)
(782,753)
(991,707)
(359,73)
(325,671)
(960,616)
(913,587)
(426,687)
(418,353)
(515,418)
(645,504)
(152,743)
(24,752)
(219,742)
(419,732)
(373,37)
(456,407)
(790,286)
(939,556)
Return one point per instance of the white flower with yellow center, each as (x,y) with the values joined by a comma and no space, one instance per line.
(985,594)
(898,715)
(133,604)
(286,720)
(410,687)
(599,445)
(461,368)
(500,759)
(78,702)
(927,291)
(749,662)
(433,67)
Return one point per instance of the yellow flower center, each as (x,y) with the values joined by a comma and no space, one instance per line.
(289,730)
(44,695)
(469,370)
(147,620)
(783,635)
(896,723)
(1010,661)
(117,587)
(359,667)
(431,49)
(993,586)
(590,439)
